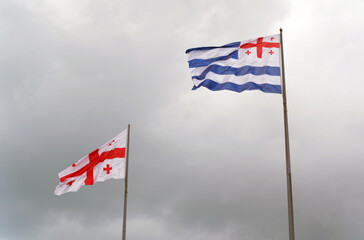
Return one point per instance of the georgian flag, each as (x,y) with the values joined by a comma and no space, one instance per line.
(108,161)
(239,66)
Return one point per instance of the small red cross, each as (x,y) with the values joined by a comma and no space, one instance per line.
(111,142)
(70,182)
(107,169)
(74,165)
(271,38)
(248,52)
(270,52)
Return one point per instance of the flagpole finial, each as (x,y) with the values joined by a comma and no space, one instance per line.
(280,29)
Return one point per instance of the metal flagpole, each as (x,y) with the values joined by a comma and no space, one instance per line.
(288,161)
(126,184)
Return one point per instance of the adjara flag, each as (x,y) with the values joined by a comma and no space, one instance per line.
(247,65)
(108,161)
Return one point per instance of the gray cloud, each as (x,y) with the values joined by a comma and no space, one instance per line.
(203,165)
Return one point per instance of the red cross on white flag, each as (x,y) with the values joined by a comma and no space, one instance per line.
(260,44)
(108,161)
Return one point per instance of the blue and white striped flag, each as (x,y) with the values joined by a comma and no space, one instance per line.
(238,66)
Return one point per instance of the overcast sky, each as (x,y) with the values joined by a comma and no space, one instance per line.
(203,165)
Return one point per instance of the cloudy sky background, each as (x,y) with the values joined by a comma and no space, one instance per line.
(203,165)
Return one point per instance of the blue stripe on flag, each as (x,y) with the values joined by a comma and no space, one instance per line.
(205,62)
(214,86)
(227,70)
(230,45)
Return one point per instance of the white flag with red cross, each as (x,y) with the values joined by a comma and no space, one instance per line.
(108,161)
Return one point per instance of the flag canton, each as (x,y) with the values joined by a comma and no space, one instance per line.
(261,51)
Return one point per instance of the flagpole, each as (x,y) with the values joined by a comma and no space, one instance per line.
(288,161)
(126,185)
